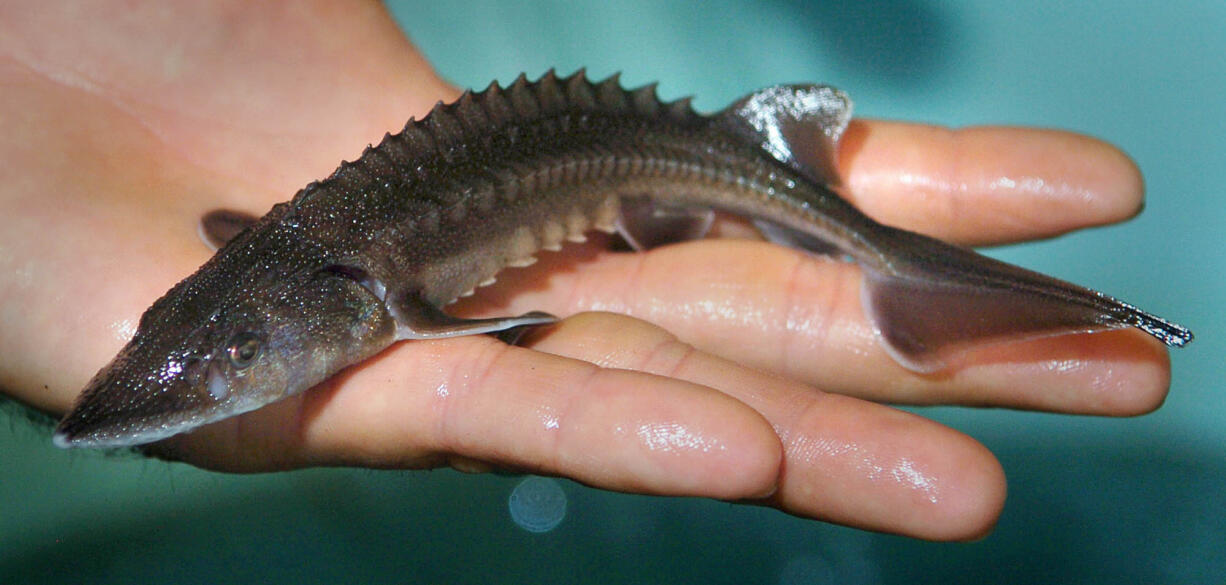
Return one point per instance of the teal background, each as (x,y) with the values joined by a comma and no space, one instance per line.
(1091,500)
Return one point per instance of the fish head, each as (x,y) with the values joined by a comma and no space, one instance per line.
(199,357)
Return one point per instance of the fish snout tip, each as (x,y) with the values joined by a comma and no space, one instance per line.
(62,440)
(66,436)
(76,434)
(75,431)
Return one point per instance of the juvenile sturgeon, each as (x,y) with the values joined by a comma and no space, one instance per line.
(370,255)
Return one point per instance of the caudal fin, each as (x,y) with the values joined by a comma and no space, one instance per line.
(928,299)
(935,299)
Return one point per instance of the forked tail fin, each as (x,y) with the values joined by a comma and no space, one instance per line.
(933,299)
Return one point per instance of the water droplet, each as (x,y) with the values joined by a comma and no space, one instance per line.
(537,504)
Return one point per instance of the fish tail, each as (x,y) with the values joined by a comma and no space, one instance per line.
(927,299)
(933,299)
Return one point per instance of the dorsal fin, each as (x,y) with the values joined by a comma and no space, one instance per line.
(799,125)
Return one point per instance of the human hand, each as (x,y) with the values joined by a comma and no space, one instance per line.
(747,377)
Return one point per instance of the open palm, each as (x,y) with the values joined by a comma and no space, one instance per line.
(727,368)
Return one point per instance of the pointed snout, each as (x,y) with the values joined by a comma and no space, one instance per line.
(126,405)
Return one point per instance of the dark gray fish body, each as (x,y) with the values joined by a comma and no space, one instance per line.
(371,254)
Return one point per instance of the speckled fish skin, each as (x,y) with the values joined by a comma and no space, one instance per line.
(369,256)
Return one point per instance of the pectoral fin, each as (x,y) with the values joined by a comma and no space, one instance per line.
(417,319)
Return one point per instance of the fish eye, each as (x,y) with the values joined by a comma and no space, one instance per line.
(243,349)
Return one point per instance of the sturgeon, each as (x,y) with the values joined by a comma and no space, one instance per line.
(372,254)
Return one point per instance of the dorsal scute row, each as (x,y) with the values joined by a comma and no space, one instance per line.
(477,118)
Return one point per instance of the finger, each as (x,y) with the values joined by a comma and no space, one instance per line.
(476,398)
(986,185)
(800,316)
(845,460)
